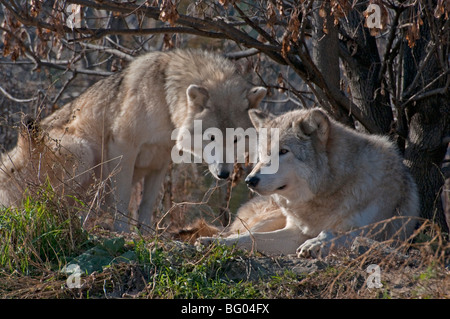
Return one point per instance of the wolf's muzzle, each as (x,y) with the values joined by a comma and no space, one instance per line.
(252,181)
(223,174)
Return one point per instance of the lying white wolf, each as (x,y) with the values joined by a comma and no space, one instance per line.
(331,180)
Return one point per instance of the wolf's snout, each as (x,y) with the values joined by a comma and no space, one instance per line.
(252,181)
(223,174)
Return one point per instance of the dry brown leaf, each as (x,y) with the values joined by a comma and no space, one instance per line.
(168,12)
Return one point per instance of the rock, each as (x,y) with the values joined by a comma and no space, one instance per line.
(362,245)
(257,268)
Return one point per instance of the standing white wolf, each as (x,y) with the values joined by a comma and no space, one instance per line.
(121,127)
(331,180)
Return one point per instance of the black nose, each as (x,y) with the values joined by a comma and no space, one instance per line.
(252,181)
(223,174)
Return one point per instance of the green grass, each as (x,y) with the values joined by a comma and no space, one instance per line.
(39,235)
(45,234)
(188,273)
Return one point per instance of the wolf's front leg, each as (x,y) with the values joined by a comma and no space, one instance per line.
(324,243)
(122,189)
(152,187)
(121,168)
(283,241)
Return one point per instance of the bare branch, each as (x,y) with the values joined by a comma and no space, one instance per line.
(421,94)
(446,172)
(12,98)
(115,52)
(95,34)
(58,96)
(242,54)
(422,65)
(388,53)
(258,29)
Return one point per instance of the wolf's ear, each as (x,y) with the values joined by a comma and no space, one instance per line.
(259,118)
(197,97)
(255,95)
(317,124)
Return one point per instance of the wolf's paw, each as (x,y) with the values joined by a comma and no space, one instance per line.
(309,249)
(317,247)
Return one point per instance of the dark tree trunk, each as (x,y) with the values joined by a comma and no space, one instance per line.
(325,53)
(425,152)
(362,66)
(429,123)
(325,45)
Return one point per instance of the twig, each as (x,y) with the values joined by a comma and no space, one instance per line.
(12,98)
(422,94)
(391,39)
(58,96)
(112,51)
(258,29)
(242,54)
(419,72)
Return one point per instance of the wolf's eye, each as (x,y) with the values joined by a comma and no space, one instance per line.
(212,137)
(283,151)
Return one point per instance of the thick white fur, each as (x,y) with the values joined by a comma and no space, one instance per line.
(331,181)
(120,129)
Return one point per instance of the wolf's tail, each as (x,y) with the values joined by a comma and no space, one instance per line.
(200,228)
